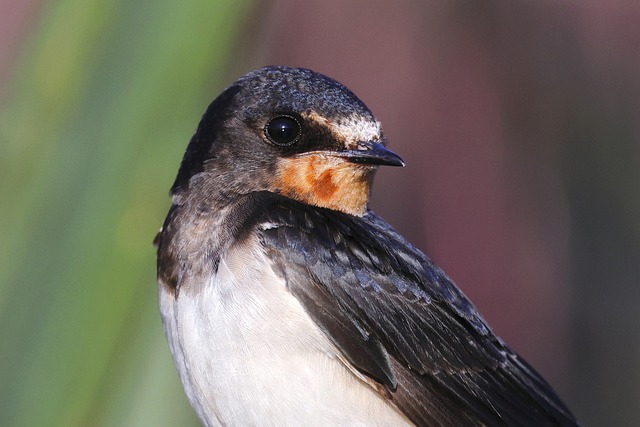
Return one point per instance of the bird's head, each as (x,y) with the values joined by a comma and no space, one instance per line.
(290,131)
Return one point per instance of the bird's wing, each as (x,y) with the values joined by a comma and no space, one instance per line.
(400,321)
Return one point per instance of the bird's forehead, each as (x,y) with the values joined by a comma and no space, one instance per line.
(352,128)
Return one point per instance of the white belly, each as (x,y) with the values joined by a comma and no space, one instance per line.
(248,354)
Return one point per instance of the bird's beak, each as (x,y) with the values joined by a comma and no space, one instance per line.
(371,153)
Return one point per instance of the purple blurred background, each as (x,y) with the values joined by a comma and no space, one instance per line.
(519,123)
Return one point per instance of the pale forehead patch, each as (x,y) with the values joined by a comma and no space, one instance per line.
(350,129)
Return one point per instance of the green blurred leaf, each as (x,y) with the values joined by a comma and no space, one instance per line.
(105,98)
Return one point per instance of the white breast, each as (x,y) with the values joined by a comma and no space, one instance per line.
(248,354)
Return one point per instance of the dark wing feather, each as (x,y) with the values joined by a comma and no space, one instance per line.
(398,319)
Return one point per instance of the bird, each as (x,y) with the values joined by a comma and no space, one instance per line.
(287,301)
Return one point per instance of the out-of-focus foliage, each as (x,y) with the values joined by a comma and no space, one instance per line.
(93,123)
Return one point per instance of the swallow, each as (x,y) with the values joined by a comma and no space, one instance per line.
(287,301)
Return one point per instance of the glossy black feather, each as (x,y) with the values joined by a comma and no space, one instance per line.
(398,319)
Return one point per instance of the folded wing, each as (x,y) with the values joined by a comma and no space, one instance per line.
(401,322)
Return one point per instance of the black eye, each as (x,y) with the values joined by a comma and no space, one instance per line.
(283,130)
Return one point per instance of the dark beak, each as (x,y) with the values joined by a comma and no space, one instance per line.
(372,153)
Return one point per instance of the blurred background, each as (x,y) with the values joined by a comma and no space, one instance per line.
(519,122)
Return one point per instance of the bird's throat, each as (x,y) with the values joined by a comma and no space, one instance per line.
(325,181)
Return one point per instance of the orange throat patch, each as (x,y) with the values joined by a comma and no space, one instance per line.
(326,181)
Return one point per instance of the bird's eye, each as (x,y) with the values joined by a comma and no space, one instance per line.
(283,130)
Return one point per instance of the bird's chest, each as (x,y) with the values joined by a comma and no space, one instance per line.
(248,354)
